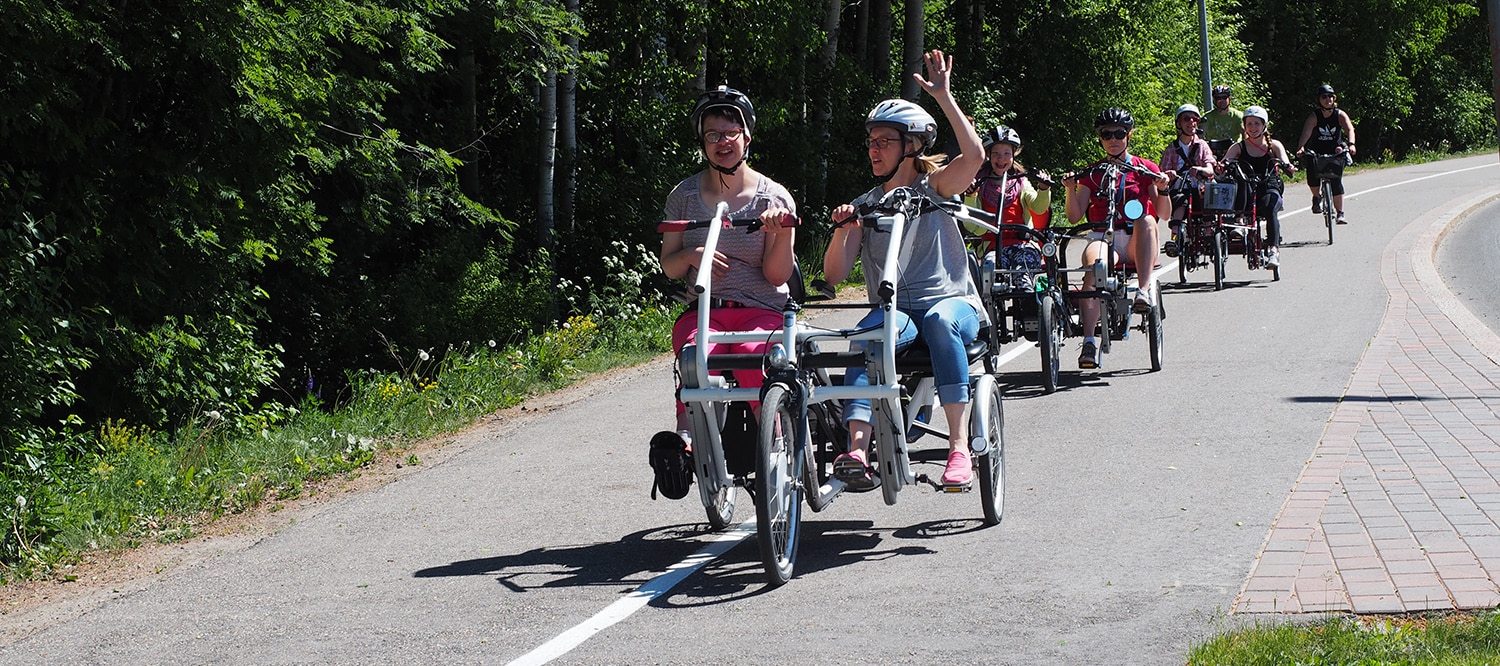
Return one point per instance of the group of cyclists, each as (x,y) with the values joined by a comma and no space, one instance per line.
(937,300)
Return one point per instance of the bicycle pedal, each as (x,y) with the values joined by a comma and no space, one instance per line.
(953,490)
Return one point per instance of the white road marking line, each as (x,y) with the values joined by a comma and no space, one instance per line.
(638,598)
(1404,182)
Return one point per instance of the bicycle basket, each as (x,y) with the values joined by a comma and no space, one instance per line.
(1220,196)
(1328,167)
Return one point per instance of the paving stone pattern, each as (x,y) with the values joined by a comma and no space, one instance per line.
(1397,511)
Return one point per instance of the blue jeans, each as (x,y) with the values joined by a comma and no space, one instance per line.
(948,329)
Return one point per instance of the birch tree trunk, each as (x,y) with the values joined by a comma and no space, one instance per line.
(567,132)
(547,157)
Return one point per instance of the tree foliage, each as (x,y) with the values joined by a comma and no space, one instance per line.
(222,207)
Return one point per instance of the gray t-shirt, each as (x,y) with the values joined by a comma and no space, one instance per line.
(936,265)
(746,281)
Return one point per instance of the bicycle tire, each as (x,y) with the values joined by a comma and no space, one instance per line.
(1221,258)
(1154,331)
(1326,191)
(778,485)
(987,418)
(718,504)
(1047,339)
(1182,259)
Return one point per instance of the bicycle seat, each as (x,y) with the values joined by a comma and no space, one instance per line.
(918,358)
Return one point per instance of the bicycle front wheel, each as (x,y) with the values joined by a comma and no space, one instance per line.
(778,492)
(987,420)
(1221,257)
(1329,214)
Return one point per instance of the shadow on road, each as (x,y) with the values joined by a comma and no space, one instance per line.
(630,561)
(825,545)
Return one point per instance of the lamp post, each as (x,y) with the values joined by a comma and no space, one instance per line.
(1494,6)
(1203,43)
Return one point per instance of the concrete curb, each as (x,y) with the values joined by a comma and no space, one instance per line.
(1479,335)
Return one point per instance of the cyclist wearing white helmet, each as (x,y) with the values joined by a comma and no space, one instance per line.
(937,297)
(1265,158)
(750,270)
(1003,186)
(1187,162)
(1327,131)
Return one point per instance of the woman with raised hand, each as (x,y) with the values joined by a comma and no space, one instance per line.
(936,299)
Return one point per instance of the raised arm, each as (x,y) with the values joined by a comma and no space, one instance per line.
(955,176)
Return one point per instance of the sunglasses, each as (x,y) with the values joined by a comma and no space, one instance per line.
(715,136)
(1327,96)
(1221,96)
(1191,119)
(1105,135)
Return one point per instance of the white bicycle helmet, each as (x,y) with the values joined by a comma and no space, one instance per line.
(1187,108)
(1258,112)
(906,118)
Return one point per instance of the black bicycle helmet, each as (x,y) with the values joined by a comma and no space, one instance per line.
(724,97)
(1221,90)
(1325,89)
(1114,116)
(1003,134)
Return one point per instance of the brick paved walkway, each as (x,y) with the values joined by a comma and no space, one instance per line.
(1399,508)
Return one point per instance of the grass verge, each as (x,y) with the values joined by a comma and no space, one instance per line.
(1447,639)
(125,485)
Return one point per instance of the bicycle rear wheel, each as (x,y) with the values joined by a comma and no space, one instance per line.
(778,491)
(1047,334)
(987,420)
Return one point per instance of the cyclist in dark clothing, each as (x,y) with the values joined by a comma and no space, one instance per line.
(1327,131)
(1263,156)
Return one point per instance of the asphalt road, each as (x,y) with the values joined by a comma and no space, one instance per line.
(1137,504)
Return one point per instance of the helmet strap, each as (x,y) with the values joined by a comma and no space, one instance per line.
(912,155)
(728,171)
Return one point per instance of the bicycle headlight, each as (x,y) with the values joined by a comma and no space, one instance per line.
(1049,249)
(778,358)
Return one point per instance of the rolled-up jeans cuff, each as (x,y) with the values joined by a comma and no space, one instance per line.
(951,393)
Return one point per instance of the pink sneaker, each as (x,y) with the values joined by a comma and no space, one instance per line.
(960,471)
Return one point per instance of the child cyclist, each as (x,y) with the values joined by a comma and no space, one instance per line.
(1137,242)
(1003,186)
(750,271)
(936,295)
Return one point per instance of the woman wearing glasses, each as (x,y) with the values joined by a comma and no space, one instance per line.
(1327,131)
(937,296)
(750,271)
(1136,241)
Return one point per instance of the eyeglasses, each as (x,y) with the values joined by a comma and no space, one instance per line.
(879,143)
(715,136)
(1105,135)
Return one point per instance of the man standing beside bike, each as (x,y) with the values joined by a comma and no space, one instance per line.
(1264,158)
(1136,240)
(1187,163)
(1327,131)
(1003,186)
(936,294)
(750,271)
(1221,125)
